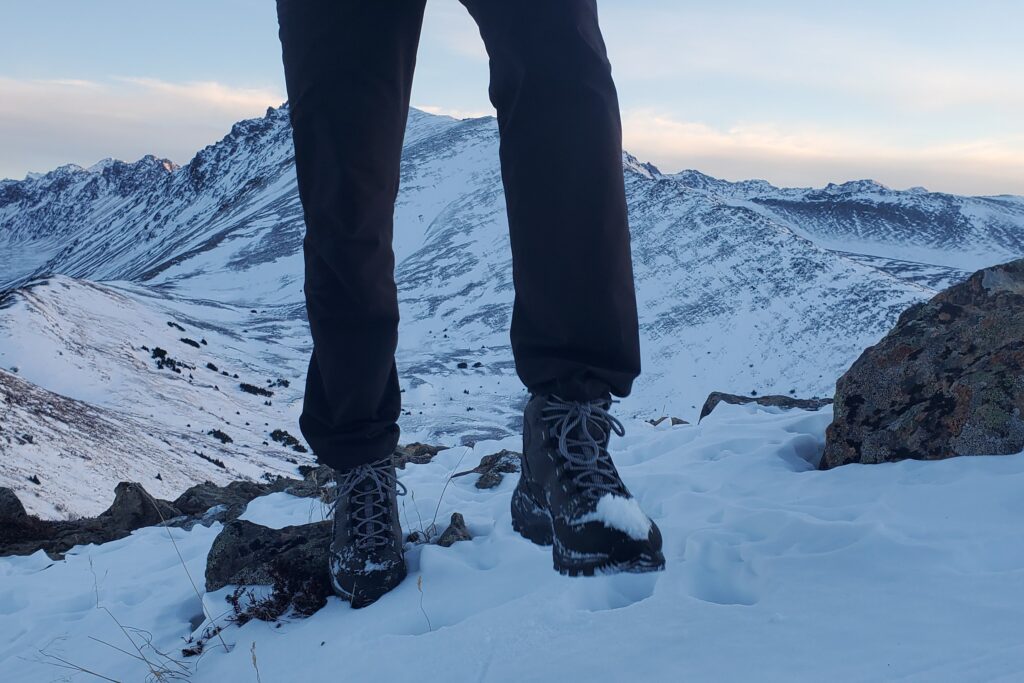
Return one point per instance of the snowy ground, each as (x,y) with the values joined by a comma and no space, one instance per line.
(776,571)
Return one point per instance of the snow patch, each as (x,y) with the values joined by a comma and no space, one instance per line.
(622,514)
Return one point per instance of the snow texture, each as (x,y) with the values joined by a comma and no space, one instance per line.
(622,514)
(775,571)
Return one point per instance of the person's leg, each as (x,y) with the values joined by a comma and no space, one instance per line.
(574,323)
(348,70)
(574,326)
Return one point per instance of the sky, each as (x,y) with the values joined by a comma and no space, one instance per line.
(800,93)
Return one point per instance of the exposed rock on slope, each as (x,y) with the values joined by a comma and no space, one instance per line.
(947,380)
(716,397)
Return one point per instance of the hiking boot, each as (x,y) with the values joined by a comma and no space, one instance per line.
(570,495)
(366,557)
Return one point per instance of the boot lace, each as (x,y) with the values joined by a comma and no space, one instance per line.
(583,429)
(368,488)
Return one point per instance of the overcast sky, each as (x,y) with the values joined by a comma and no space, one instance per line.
(908,92)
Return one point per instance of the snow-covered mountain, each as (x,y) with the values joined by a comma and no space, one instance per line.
(742,287)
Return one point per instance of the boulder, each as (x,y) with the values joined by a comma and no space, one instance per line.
(11,509)
(947,380)
(247,554)
(292,560)
(716,397)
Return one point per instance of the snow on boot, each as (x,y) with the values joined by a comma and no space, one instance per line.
(570,495)
(366,556)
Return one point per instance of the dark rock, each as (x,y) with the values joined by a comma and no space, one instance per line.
(493,467)
(247,554)
(674,421)
(134,508)
(234,496)
(947,380)
(462,365)
(221,436)
(415,453)
(253,389)
(11,509)
(716,397)
(455,532)
(316,482)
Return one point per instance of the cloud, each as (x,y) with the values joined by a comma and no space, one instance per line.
(804,156)
(46,123)
(813,51)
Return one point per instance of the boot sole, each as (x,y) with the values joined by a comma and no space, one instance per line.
(531,520)
(533,523)
(371,592)
(596,565)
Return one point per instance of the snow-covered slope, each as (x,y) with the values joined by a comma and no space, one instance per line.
(775,572)
(742,287)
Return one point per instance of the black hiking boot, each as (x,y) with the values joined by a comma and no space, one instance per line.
(366,556)
(570,495)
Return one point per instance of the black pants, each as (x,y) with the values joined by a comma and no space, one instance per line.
(348,68)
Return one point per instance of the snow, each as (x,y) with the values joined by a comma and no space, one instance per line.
(775,571)
(617,512)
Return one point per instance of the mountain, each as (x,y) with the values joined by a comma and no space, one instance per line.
(742,287)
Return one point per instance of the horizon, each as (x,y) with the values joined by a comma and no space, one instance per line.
(181,164)
(800,95)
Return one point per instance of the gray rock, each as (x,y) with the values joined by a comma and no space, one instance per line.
(292,560)
(455,532)
(247,554)
(716,397)
(415,453)
(134,508)
(947,380)
(492,468)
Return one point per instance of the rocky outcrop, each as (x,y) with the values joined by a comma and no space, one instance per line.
(716,397)
(133,508)
(415,453)
(947,380)
(250,554)
(493,467)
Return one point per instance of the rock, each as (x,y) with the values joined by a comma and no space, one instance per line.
(947,380)
(11,509)
(455,532)
(134,508)
(492,468)
(316,481)
(292,560)
(247,554)
(198,499)
(716,397)
(415,453)
(674,421)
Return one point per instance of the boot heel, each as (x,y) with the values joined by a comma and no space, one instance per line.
(530,519)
